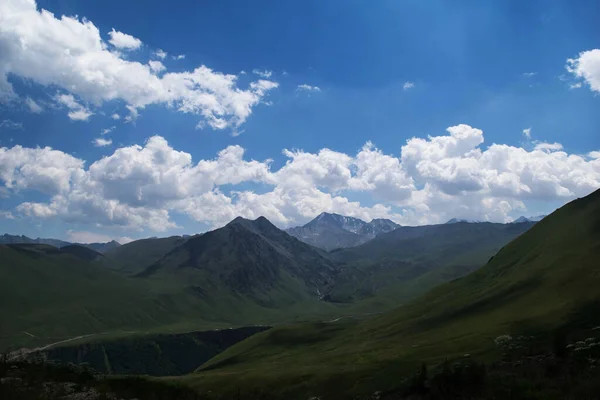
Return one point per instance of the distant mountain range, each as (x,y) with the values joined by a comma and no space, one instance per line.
(331,231)
(522,219)
(20,239)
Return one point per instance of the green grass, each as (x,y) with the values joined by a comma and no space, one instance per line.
(547,279)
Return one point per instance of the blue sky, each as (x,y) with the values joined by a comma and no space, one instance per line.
(383,72)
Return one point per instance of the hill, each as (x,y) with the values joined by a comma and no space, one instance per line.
(401,264)
(134,257)
(82,252)
(50,295)
(544,281)
(331,231)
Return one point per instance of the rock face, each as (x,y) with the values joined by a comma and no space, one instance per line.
(331,231)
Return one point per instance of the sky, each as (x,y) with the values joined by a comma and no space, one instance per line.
(124,120)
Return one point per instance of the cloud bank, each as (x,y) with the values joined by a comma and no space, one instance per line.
(432,180)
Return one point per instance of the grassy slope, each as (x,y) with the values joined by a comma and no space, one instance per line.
(54,295)
(546,279)
(397,266)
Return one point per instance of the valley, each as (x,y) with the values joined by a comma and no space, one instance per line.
(408,296)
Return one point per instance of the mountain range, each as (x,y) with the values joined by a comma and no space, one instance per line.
(331,231)
(20,239)
(541,286)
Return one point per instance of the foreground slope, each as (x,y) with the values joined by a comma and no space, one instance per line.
(545,280)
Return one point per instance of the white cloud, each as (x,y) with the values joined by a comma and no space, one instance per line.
(106,131)
(308,88)
(179,57)
(80,115)
(133,114)
(33,106)
(587,68)
(115,116)
(529,74)
(124,41)
(101,142)
(577,85)
(408,85)
(6,215)
(10,125)
(543,146)
(96,74)
(78,111)
(527,133)
(160,54)
(157,66)
(432,180)
(262,73)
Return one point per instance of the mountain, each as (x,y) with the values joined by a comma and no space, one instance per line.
(331,231)
(398,265)
(461,220)
(545,281)
(103,247)
(250,258)
(134,257)
(529,219)
(246,273)
(16,239)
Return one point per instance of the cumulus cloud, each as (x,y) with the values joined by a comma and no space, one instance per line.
(586,67)
(123,41)
(33,106)
(115,116)
(432,180)
(160,54)
(527,133)
(97,74)
(308,88)
(77,112)
(157,66)
(102,142)
(529,74)
(408,85)
(179,57)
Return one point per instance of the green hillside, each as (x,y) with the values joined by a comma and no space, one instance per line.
(545,280)
(50,295)
(399,265)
